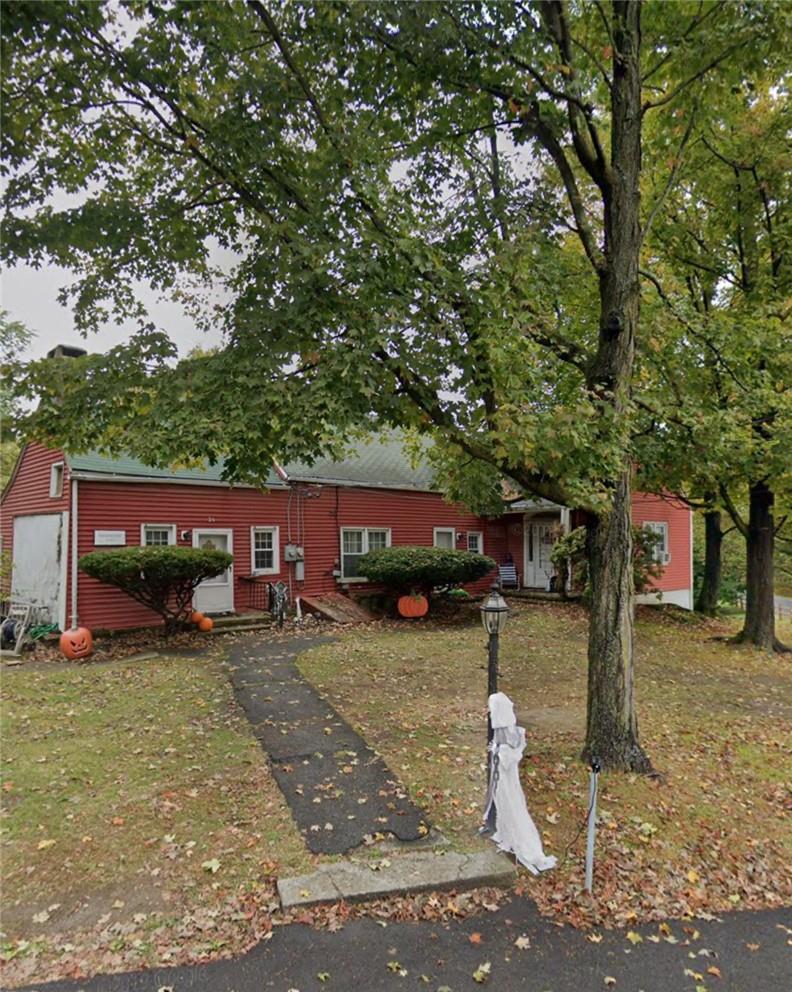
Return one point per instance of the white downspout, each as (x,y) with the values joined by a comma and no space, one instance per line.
(74,553)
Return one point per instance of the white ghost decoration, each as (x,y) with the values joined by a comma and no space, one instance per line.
(505,811)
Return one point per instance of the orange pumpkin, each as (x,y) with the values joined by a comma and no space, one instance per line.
(196,617)
(205,624)
(76,643)
(412,606)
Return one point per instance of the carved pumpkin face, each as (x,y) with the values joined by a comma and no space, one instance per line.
(413,606)
(76,643)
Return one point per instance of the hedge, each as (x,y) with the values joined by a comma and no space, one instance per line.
(419,569)
(163,579)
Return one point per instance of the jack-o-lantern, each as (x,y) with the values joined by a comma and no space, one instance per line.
(76,643)
(196,617)
(412,606)
(205,624)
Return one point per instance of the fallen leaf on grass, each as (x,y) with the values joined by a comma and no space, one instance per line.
(213,866)
(43,844)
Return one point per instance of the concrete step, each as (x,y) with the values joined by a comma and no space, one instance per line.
(416,872)
(242,621)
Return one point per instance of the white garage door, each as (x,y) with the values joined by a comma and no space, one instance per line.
(39,572)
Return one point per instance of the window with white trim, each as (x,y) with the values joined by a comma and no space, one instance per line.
(661,552)
(445,537)
(475,541)
(264,550)
(56,480)
(356,542)
(157,535)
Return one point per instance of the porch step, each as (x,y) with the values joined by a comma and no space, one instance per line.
(244,621)
(336,607)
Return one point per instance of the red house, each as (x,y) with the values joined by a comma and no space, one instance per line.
(308,528)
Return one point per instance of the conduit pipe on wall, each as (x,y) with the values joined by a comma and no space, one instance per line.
(73,552)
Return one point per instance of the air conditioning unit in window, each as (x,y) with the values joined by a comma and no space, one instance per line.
(665,557)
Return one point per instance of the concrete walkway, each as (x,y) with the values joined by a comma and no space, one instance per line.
(339,790)
(749,952)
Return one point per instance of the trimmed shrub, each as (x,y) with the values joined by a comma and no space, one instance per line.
(162,578)
(417,569)
(570,551)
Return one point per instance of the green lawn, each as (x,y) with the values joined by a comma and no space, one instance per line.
(714,718)
(141,825)
(134,797)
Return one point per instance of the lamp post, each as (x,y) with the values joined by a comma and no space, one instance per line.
(494,612)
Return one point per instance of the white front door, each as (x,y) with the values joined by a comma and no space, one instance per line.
(538,538)
(215,595)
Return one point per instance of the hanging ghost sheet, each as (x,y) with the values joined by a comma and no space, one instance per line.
(506,815)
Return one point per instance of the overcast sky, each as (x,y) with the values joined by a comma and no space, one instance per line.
(31,295)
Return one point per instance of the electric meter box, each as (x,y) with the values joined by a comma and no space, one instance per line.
(293,552)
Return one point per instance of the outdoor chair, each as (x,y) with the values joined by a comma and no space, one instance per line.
(508,577)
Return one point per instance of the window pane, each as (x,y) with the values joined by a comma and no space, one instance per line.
(157,536)
(350,566)
(474,542)
(263,549)
(377,539)
(444,539)
(353,542)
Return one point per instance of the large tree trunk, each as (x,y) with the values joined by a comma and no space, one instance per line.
(759,628)
(709,593)
(612,730)
(612,727)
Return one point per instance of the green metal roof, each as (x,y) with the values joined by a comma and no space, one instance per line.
(97,464)
(376,462)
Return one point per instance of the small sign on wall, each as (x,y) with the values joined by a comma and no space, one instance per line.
(111,538)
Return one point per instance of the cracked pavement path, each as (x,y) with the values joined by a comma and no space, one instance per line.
(339,790)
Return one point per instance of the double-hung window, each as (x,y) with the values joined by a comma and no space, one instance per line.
(356,542)
(445,537)
(475,541)
(264,551)
(157,535)
(661,553)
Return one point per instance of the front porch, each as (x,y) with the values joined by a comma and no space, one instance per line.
(532,526)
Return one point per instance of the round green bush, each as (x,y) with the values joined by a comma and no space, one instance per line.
(413,568)
(162,578)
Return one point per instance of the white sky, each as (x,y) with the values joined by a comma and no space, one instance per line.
(31,296)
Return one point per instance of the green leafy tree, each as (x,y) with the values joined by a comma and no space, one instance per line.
(437,219)
(723,278)
(15,338)
(162,579)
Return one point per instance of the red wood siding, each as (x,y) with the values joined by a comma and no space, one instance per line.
(311,516)
(28,492)
(648,508)
(317,515)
